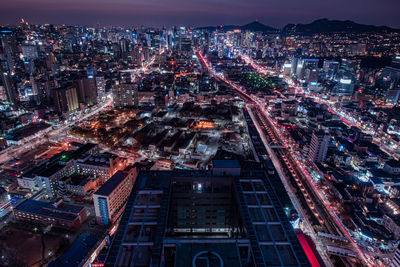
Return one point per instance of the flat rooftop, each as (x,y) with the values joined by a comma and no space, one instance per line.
(77,252)
(111,183)
(63,211)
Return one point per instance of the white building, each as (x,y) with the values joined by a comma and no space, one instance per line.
(109,201)
(318,146)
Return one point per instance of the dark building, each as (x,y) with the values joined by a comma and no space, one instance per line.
(87,91)
(178,218)
(10,90)
(125,95)
(66,99)
(59,214)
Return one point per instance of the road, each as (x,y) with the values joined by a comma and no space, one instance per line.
(39,138)
(295,166)
(380,138)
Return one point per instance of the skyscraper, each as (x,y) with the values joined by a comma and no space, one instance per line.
(87,90)
(9,87)
(66,99)
(331,68)
(318,146)
(125,95)
(345,87)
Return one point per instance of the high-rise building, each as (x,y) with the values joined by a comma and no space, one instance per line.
(10,48)
(190,218)
(9,87)
(100,84)
(312,78)
(306,64)
(109,201)
(29,51)
(66,99)
(87,90)
(345,87)
(287,68)
(185,44)
(125,95)
(331,68)
(318,146)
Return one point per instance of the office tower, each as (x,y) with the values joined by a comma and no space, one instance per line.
(91,72)
(287,69)
(109,201)
(10,48)
(66,99)
(331,68)
(318,146)
(185,44)
(306,64)
(294,63)
(9,88)
(125,95)
(190,218)
(137,55)
(312,78)
(345,87)
(124,46)
(29,52)
(87,90)
(50,61)
(206,47)
(100,84)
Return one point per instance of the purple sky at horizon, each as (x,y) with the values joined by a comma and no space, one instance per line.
(276,13)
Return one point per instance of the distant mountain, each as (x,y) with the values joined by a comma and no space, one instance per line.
(331,26)
(317,26)
(254,26)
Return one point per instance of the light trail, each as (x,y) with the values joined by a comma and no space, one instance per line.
(241,90)
(37,139)
(347,119)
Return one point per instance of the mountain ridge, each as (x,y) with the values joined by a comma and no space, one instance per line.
(323,25)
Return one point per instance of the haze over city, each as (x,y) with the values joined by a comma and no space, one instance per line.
(198,13)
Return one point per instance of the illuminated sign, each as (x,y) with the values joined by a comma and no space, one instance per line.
(345,81)
(103,210)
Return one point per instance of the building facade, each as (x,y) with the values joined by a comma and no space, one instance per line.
(191,218)
(109,201)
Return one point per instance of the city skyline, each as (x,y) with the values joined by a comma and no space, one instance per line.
(177,12)
(213,133)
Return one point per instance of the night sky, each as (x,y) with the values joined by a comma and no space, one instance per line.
(275,13)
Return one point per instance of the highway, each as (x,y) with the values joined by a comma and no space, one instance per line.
(318,204)
(295,190)
(346,118)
